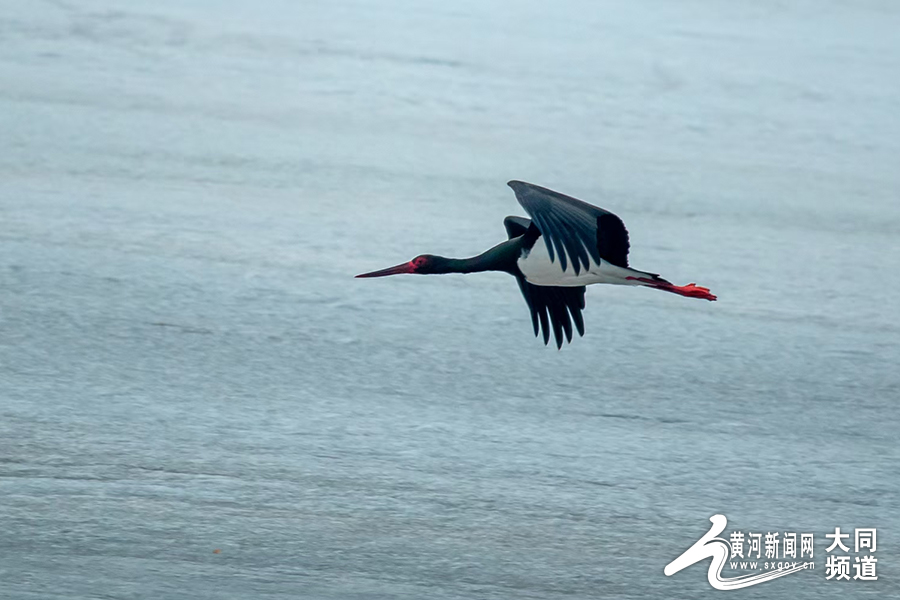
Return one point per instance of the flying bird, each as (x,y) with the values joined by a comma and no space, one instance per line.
(566,245)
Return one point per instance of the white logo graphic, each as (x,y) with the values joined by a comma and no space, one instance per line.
(719,550)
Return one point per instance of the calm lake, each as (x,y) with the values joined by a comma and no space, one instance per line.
(197,400)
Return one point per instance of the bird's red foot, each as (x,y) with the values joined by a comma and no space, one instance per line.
(691,290)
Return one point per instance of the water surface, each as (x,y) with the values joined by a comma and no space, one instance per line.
(187,364)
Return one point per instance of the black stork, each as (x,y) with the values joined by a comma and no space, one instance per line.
(591,245)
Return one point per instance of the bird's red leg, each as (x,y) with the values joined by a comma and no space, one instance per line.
(691,290)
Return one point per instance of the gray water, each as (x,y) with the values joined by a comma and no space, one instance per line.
(187,364)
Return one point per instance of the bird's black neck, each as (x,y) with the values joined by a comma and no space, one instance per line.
(501,257)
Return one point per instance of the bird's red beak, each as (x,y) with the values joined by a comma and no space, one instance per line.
(406,267)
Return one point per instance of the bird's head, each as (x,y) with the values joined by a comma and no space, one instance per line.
(424,264)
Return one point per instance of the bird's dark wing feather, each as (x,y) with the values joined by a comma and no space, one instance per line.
(556,307)
(516,226)
(572,229)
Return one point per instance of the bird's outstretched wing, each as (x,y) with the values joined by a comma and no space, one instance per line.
(573,227)
(516,226)
(550,306)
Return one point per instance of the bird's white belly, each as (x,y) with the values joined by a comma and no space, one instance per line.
(537,269)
